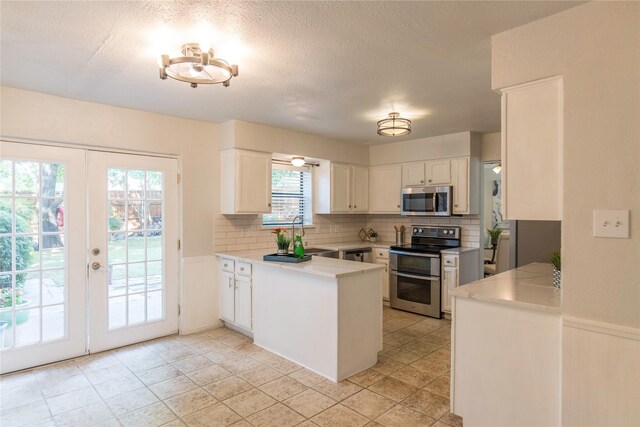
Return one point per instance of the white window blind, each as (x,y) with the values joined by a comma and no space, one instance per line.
(290,195)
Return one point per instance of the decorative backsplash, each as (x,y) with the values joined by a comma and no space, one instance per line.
(244,232)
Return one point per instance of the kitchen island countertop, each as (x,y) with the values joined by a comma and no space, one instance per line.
(529,286)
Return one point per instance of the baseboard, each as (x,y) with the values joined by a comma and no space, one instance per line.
(214,325)
(601,327)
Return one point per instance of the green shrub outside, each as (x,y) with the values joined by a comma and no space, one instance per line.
(24,254)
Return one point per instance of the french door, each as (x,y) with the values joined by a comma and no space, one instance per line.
(88,252)
(133,248)
(42,255)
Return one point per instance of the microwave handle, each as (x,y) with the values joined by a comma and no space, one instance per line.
(435,201)
(412,276)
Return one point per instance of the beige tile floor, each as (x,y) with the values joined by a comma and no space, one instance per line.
(220,378)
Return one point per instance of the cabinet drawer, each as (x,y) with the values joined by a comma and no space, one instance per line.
(381,253)
(450,260)
(227,264)
(243,269)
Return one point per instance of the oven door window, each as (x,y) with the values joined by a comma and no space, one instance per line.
(422,202)
(417,265)
(415,290)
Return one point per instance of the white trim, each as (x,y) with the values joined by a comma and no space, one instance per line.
(197,259)
(531,83)
(86,147)
(601,327)
(215,325)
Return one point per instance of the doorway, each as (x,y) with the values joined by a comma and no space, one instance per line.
(89,257)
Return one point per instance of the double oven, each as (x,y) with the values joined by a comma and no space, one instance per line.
(415,283)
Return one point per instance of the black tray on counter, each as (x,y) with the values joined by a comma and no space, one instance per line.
(288,258)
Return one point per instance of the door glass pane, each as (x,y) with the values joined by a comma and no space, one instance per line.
(135,212)
(32,252)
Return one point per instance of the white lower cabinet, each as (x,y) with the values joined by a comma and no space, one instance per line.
(235,293)
(458,268)
(381,257)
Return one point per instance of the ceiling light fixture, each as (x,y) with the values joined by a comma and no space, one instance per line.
(394,125)
(497,168)
(298,161)
(197,67)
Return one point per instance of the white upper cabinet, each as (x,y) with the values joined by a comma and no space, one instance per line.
(245,182)
(431,172)
(532,129)
(341,188)
(465,180)
(385,189)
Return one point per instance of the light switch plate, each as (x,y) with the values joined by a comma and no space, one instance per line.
(611,223)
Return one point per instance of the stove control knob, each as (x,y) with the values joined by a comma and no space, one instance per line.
(446,231)
(415,230)
(420,230)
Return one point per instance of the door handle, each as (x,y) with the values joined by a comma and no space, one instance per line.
(96,266)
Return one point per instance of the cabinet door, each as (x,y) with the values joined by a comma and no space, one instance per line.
(438,172)
(243,302)
(532,129)
(450,282)
(340,188)
(360,192)
(385,279)
(253,182)
(226,292)
(385,189)
(460,183)
(413,174)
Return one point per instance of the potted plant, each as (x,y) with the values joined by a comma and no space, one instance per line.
(282,240)
(556,261)
(373,236)
(494,233)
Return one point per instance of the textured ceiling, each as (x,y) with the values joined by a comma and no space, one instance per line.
(329,68)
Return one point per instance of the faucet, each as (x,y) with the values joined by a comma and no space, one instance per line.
(293,226)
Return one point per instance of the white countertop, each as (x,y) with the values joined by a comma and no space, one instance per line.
(458,250)
(317,266)
(530,286)
(350,245)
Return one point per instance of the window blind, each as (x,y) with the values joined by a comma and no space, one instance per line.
(290,195)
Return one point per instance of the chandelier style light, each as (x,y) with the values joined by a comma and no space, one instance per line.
(197,67)
(394,125)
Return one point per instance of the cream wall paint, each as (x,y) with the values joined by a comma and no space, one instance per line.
(253,136)
(491,147)
(596,47)
(437,147)
(40,117)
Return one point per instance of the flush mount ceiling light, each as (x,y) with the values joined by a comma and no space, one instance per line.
(197,67)
(497,168)
(298,161)
(394,125)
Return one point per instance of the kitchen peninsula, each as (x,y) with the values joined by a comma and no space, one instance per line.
(324,314)
(506,346)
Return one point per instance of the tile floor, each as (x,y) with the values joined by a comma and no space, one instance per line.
(220,378)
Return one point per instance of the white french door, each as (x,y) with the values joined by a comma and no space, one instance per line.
(42,255)
(88,252)
(133,248)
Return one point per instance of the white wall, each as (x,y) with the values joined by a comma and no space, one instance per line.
(596,48)
(436,147)
(40,117)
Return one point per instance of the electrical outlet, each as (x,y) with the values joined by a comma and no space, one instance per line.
(611,223)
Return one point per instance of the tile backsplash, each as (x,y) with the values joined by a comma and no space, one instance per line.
(245,232)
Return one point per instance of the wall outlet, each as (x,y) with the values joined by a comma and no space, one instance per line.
(611,223)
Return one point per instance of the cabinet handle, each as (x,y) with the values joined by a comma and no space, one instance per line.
(429,180)
(455,206)
(422,181)
(241,268)
(269,204)
(397,206)
(354,207)
(230,284)
(349,206)
(226,265)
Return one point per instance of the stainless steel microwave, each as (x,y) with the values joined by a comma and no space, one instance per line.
(426,201)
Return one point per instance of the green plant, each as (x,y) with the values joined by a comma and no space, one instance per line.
(24,254)
(555,260)
(282,239)
(494,233)
(114,223)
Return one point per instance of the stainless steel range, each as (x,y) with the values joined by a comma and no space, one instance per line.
(415,269)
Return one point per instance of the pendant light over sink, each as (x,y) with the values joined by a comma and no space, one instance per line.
(394,125)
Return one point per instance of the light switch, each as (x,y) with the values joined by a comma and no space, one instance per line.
(611,223)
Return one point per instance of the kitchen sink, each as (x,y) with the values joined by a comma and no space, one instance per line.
(327,253)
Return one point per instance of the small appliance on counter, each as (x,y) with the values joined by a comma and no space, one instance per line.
(415,269)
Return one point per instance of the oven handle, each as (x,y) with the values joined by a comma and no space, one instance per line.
(414,254)
(412,276)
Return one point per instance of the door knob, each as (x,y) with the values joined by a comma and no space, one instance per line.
(96,266)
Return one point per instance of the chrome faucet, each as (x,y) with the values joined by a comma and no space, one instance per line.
(293,226)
